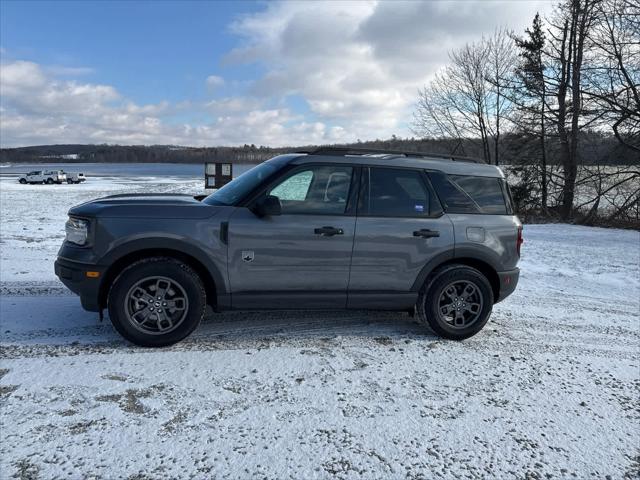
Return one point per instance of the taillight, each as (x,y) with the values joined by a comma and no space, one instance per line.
(520,240)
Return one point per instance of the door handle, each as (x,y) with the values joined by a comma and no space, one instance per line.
(328,231)
(426,233)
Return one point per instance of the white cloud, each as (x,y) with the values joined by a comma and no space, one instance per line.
(39,108)
(232,105)
(359,65)
(214,81)
(356,66)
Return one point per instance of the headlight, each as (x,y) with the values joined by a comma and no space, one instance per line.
(77,231)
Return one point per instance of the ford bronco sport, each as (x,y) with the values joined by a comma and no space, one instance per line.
(333,228)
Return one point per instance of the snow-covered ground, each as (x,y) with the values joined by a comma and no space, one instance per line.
(550,387)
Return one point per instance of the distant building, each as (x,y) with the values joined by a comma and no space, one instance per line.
(68,156)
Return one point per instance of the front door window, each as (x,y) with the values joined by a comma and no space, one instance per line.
(315,190)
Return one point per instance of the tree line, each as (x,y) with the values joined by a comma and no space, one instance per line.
(516,148)
(136,154)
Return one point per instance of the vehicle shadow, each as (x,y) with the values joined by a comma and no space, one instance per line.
(305,325)
(29,321)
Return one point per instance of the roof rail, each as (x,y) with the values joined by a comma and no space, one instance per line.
(342,151)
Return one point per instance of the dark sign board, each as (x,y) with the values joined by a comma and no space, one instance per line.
(217,175)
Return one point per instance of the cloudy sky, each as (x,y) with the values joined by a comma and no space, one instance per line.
(215,73)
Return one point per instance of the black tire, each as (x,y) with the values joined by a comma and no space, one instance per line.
(182,278)
(69,181)
(50,181)
(23,181)
(433,296)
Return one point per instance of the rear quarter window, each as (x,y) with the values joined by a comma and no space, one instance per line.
(471,194)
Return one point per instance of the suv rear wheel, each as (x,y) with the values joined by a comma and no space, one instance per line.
(156,302)
(456,303)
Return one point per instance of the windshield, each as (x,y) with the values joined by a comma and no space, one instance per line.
(239,187)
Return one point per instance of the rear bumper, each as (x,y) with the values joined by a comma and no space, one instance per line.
(508,283)
(74,277)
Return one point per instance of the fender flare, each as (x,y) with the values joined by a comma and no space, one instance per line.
(177,244)
(463,253)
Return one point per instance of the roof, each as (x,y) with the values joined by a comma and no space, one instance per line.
(450,164)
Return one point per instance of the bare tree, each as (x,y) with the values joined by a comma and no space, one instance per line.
(613,77)
(500,70)
(569,28)
(466,98)
(611,84)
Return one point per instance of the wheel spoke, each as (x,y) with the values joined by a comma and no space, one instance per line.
(141,316)
(468,291)
(451,292)
(446,309)
(161,288)
(458,320)
(142,295)
(472,308)
(176,304)
(164,321)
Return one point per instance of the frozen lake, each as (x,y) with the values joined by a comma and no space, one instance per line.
(191,170)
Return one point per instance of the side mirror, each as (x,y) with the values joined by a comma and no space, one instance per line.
(268,206)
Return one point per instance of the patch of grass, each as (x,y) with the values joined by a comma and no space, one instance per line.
(7,390)
(129,401)
(116,377)
(25,470)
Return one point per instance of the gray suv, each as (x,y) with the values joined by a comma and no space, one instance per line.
(332,228)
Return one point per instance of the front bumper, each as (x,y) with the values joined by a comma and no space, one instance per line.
(74,276)
(508,283)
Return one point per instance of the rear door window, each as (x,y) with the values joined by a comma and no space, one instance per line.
(396,193)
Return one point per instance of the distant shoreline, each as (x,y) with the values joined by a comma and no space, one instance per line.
(64,161)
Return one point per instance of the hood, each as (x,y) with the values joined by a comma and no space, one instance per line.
(146,205)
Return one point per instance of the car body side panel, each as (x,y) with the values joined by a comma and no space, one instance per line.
(388,257)
(490,238)
(282,253)
(199,238)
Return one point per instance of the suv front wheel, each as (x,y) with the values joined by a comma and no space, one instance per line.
(456,303)
(156,302)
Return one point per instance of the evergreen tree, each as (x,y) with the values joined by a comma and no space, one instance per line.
(531,90)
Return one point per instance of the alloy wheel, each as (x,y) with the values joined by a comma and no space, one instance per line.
(460,304)
(156,305)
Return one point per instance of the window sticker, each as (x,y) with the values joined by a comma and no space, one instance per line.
(419,208)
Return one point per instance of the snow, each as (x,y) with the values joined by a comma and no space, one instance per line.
(549,387)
